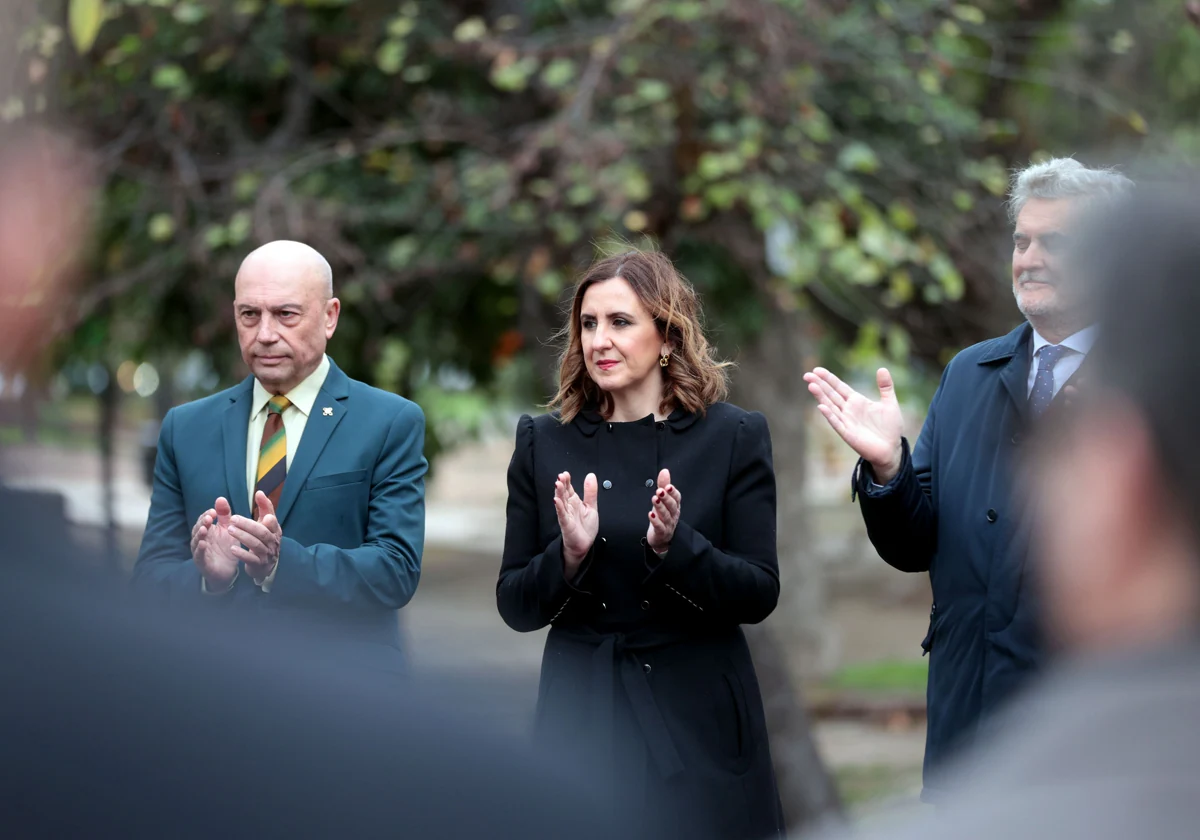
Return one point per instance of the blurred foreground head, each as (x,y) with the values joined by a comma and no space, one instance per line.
(45,202)
(1119,475)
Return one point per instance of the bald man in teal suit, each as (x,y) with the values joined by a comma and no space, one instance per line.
(298,489)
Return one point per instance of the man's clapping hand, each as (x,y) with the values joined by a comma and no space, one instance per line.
(260,539)
(213,545)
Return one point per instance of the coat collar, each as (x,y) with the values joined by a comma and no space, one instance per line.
(1004,348)
(589,421)
(1012,355)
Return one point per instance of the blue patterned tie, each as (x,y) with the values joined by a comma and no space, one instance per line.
(1043,385)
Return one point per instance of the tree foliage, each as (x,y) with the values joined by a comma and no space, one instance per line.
(457,162)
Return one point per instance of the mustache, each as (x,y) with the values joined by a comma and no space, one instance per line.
(1036,277)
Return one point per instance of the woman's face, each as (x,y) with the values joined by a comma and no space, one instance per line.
(621,343)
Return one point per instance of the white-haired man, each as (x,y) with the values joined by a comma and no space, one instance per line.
(946,507)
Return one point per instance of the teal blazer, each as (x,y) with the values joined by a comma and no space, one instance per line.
(352,509)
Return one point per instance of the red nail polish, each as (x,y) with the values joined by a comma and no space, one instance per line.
(652,516)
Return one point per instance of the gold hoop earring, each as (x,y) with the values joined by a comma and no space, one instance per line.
(664,360)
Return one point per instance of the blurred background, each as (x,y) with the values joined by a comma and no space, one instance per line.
(830,174)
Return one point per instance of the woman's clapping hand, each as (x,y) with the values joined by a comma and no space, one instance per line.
(665,507)
(578,518)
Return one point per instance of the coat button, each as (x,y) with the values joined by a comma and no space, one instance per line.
(649,482)
(1016,439)
(645,605)
(607,485)
(646,667)
(661,424)
(992,516)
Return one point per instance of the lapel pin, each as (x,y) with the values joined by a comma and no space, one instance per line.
(327,411)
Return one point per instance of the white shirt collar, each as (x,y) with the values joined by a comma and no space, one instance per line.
(1081,342)
(302,396)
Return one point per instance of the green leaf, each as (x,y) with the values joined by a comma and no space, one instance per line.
(514,76)
(653,90)
(858,157)
(558,73)
(390,56)
(970,14)
(161,227)
(190,13)
(817,126)
(216,236)
(169,77)
(245,185)
(897,342)
(471,29)
(417,73)
(635,220)
(239,227)
(401,26)
(1121,42)
(84,18)
(901,285)
(947,275)
(902,217)
(580,194)
(549,284)
(930,81)
(710,166)
(401,252)
(635,183)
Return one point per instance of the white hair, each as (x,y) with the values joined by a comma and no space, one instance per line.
(1063,178)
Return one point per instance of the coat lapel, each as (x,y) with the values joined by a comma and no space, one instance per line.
(1011,355)
(317,431)
(236,427)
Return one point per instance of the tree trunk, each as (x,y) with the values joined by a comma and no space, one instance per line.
(109,409)
(793,643)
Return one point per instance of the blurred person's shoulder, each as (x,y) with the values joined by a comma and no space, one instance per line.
(119,713)
(1102,749)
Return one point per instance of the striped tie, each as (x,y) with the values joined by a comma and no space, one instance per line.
(272,454)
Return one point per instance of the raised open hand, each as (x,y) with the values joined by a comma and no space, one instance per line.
(872,428)
(578,518)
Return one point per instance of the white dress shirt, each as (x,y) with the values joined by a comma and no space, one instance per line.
(295,418)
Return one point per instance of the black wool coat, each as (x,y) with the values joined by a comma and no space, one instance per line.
(646,670)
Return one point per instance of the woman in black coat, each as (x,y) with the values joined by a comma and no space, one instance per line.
(641,527)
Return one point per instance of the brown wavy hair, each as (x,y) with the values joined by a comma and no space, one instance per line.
(694,378)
